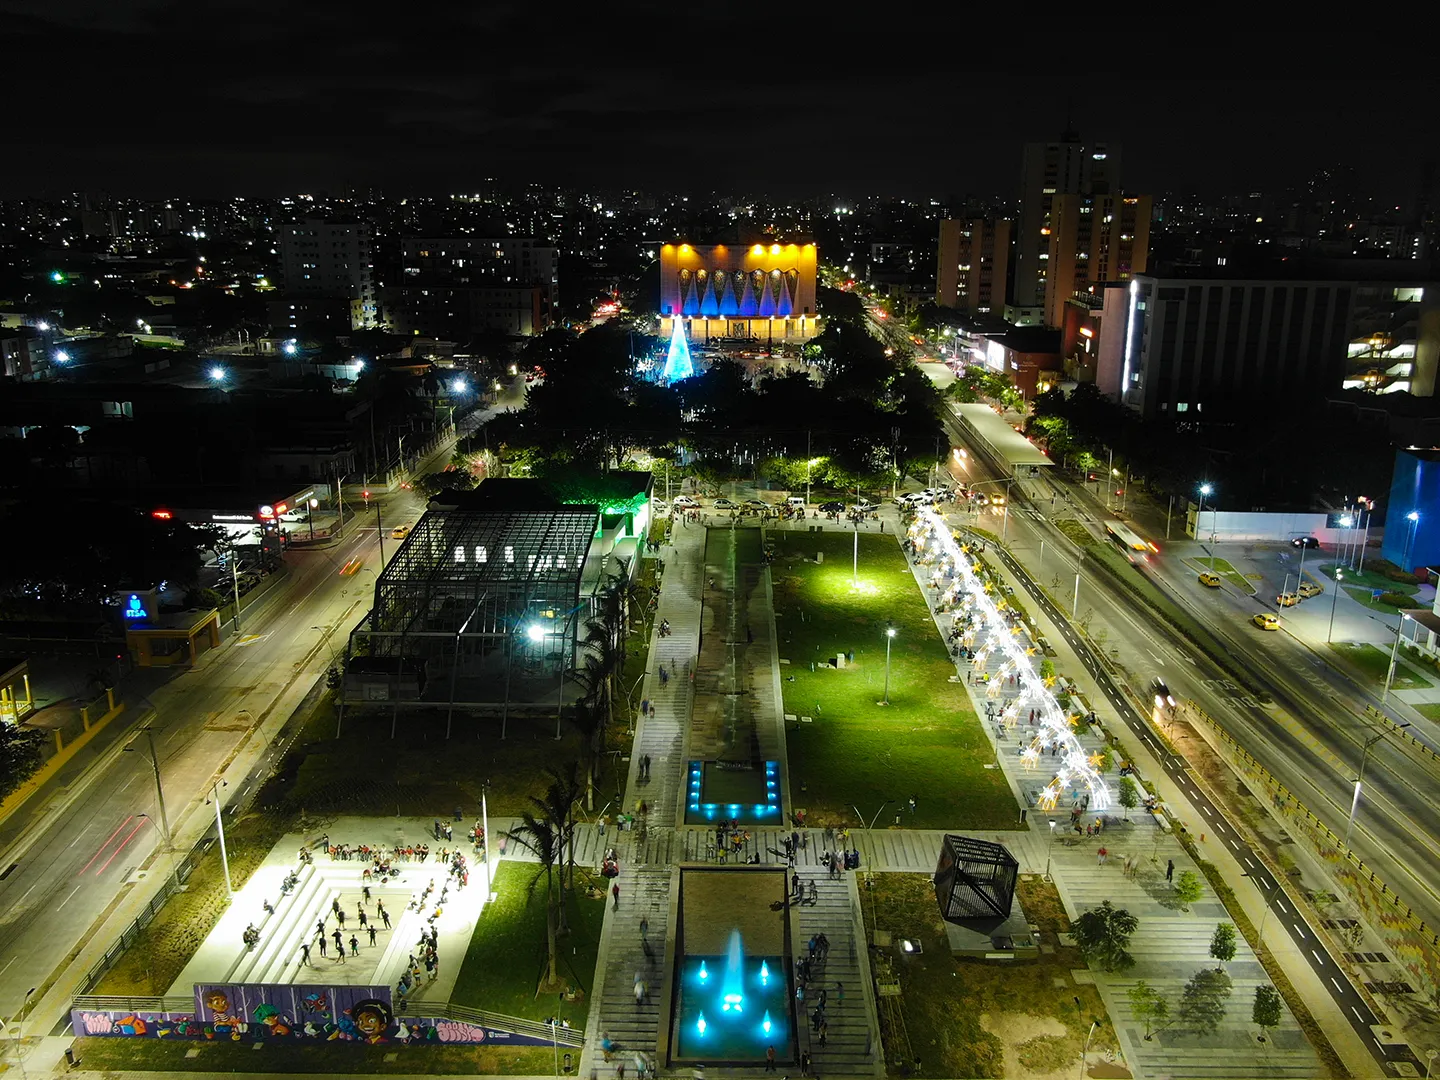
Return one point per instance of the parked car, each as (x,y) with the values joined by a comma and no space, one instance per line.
(865,506)
(1305,542)
(661,507)
(1209,580)
(1267,621)
(795,502)
(1309,588)
(833,506)
(756,504)
(1287,599)
(685,502)
(726,504)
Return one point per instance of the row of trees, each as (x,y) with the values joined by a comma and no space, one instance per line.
(864,411)
(1103,935)
(1255,453)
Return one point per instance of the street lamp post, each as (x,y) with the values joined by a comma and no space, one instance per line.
(159,790)
(1394,655)
(220,829)
(1414,519)
(1206,489)
(1269,899)
(1339,578)
(1050,848)
(889,637)
(1084,1053)
(1360,779)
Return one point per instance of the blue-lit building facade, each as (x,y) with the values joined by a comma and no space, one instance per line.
(1414,489)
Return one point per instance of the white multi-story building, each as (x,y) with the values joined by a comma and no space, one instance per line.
(332,258)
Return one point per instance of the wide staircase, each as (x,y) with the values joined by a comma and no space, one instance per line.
(849,1048)
(630,1027)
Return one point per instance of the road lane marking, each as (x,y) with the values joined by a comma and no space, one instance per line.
(1360,1018)
(7,966)
(1317,957)
(67,899)
(1338,988)
(1281,905)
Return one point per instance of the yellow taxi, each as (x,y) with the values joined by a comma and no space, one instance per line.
(1209,580)
(1287,599)
(1267,621)
(400,532)
(1310,588)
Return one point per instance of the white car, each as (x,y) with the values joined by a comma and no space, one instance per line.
(685,502)
(661,507)
(726,504)
(864,506)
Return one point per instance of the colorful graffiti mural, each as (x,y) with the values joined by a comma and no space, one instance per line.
(257,1012)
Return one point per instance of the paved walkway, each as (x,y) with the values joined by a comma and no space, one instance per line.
(1171,944)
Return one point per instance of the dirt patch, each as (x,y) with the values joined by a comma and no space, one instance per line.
(1024,1036)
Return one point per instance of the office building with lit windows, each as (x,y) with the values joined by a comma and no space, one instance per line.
(974,261)
(749,292)
(1198,344)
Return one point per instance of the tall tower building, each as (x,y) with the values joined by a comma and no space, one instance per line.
(1068,167)
(974,259)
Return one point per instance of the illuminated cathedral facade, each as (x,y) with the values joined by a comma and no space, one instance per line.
(752,292)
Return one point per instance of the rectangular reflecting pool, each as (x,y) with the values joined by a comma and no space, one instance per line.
(732,791)
(732,994)
(731,1010)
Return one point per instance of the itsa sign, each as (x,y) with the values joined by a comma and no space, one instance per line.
(138,607)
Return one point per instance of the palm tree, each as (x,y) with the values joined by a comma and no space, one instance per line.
(538,836)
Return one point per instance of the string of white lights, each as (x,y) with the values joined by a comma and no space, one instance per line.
(961,589)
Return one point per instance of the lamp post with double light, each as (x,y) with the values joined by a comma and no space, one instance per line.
(889,637)
(1206,489)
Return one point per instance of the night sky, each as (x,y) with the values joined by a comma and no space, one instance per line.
(214,97)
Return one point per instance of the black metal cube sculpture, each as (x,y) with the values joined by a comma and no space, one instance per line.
(974,879)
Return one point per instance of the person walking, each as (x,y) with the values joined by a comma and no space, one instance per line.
(322,946)
(770,1059)
(1100,857)
(339,942)
(1169,869)
(615,892)
(644,928)
(305,955)
(340,917)
(363,919)
(385,917)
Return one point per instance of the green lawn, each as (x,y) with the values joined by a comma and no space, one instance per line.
(1364,597)
(401,775)
(942,997)
(1429,710)
(1374,663)
(507,956)
(856,752)
(1367,580)
(217,1058)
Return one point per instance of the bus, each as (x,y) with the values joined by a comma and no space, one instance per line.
(1119,532)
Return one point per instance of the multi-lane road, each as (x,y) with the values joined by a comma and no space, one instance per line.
(1304,738)
(72,850)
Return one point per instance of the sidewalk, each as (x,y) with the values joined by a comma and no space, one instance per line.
(647,854)
(1249,895)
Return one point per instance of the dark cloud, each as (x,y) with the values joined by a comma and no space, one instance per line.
(223,96)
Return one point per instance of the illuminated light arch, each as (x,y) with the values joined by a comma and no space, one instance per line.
(955,577)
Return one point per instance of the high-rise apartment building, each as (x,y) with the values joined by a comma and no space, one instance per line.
(332,258)
(1068,167)
(454,287)
(973,262)
(1093,239)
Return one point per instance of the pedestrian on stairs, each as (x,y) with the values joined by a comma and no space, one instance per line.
(615,892)
(305,955)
